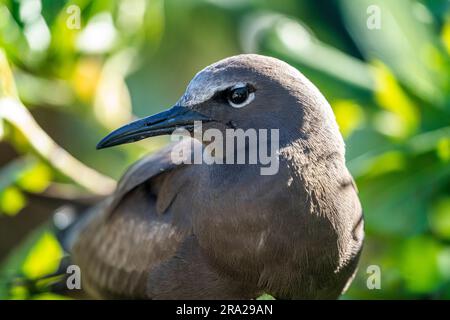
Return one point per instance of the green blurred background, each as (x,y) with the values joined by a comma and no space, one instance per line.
(66,82)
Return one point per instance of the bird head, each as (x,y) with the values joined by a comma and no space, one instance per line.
(244,91)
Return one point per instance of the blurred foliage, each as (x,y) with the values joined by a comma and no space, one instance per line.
(389,88)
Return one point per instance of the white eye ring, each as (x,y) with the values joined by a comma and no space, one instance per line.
(250,97)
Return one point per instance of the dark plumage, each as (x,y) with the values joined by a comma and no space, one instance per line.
(226,231)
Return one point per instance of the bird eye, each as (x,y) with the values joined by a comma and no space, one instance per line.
(239,96)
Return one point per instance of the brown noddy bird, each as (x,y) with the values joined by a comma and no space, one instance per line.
(180,231)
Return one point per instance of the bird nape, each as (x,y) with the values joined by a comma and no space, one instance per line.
(221,228)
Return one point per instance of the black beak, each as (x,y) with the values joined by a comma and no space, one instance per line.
(159,124)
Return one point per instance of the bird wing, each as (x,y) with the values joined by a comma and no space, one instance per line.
(143,170)
(131,232)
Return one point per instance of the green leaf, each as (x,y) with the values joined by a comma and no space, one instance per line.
(443,149)
(401,42)
(439,218)
(446,35)
(11,201)
(18,293)
(395,202)
(50,296)
(349,116)
(387,162)
(419,264)
(401,118)
(35,179)
(295,42)
(265,296)
(10,268)
(44,257)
